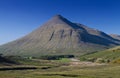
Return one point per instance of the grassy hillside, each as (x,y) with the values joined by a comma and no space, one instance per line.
(110,55)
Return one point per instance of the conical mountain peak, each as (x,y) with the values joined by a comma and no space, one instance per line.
(59,36)
(58,16)
(59,19)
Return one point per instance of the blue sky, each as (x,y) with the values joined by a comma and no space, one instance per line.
(20,17)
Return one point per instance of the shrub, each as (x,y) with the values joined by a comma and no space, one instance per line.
(91,59)
(100,60)
(83,59)
(55,57)
(116,61)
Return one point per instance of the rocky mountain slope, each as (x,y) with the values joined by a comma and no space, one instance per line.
(59,36)
(115,36)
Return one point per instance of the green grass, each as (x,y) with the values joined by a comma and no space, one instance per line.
(112,55)
(110,71)
(60,69)
(63,60)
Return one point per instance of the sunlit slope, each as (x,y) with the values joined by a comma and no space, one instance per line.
(113,55)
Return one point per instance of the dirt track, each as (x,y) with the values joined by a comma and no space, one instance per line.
(76,62)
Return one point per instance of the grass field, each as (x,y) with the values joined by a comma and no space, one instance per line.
(110,71)
(59,69)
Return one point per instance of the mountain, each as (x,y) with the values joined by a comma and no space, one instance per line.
(59,36)
(112,54)
(115,36)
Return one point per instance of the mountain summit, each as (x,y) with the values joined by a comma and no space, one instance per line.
(59,36)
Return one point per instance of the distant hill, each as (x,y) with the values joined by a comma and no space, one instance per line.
(115,36)
(60,36)
(112,54)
